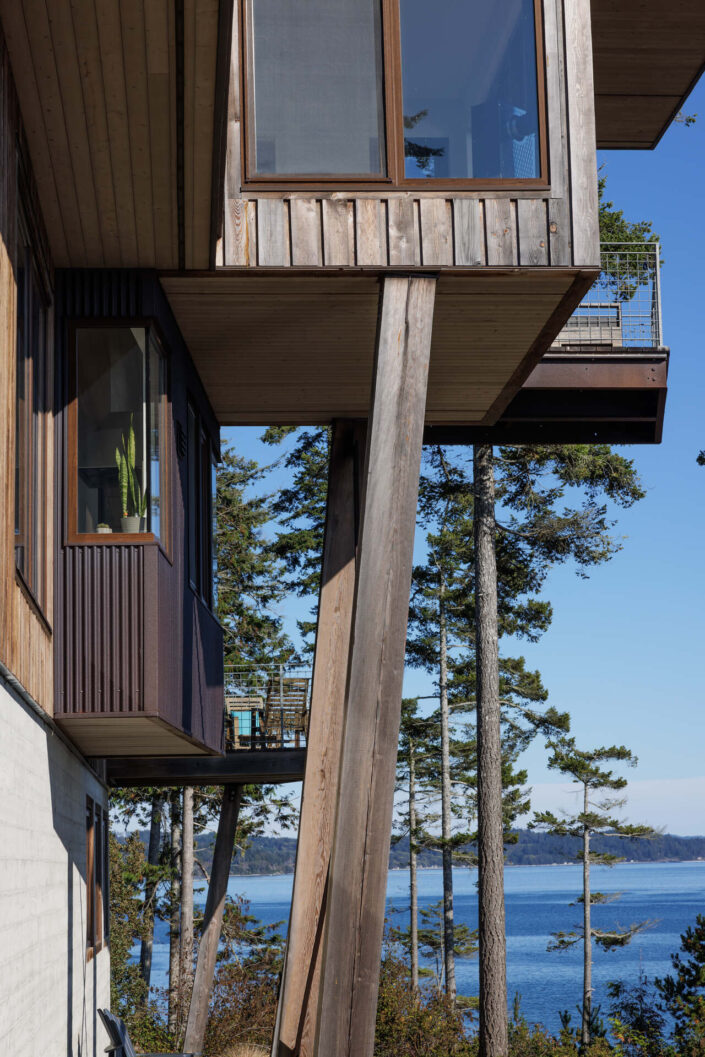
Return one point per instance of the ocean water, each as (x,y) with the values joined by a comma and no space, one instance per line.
(538,902)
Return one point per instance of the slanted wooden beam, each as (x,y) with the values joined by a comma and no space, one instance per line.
(298,1000)
(358,872)
(212,920)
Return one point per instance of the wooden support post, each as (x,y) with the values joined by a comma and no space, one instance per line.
(212,920)
(358,872)
(298,1000)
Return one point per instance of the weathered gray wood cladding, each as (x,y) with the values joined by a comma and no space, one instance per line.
(555,226)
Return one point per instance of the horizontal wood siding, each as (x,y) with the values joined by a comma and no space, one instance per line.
(396,228)
(25,639)
(104,620)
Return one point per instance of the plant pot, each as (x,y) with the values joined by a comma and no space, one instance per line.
(132,524)
(103,529)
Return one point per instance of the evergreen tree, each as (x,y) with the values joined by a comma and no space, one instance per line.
(596,817)
(683,992)
(248,577)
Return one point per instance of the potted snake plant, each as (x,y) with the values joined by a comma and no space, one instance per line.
(133,499)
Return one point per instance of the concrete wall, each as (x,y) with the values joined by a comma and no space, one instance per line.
(48,991)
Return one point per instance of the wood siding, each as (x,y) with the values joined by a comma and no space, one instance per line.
(118,100)
(427,229)
(25,638)
(133,639)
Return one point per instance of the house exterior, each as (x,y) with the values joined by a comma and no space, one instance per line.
(377,216)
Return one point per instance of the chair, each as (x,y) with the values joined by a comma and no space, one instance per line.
(120,1041)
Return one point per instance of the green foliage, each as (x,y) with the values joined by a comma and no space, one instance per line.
(248,577)
(244,998)
(412,1025)
(683,991)
(128,992)
(133,500)
(301,512)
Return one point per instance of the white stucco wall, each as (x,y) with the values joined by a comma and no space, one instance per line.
(48,991)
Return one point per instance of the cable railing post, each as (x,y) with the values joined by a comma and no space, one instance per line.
(657,296)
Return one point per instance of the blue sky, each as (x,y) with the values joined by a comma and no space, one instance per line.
(623,654)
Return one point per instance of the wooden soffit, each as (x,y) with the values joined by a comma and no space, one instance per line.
(299,349)
(648,55)
(117,99)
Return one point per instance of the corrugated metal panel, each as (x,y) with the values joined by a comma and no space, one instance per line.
(103,662)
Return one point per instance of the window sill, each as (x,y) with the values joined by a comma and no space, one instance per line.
(382,188)
(106,539)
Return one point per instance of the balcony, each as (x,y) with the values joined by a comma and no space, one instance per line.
(622,310)
(266,710)
(603,378)
(266,707)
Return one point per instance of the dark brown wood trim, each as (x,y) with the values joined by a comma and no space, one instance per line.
(180,143)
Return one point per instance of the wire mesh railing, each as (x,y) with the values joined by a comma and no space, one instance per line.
(266,706)
(622,310)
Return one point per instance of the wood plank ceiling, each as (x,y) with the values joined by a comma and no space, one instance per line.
(100,89)
(299,349)
(648,54)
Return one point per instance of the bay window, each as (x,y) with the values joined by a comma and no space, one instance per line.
(117,433)
(395,91)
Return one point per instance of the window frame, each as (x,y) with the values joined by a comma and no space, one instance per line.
(97,877)
(73,536)
(395,179)
(33,360)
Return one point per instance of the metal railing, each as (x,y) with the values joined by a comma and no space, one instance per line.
(622,310)
(266,707)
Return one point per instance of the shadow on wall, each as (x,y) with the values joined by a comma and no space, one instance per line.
(70,782)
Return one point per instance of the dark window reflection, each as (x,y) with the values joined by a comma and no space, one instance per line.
(469,89)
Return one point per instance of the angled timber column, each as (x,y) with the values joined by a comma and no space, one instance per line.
(358,872)
(300,983)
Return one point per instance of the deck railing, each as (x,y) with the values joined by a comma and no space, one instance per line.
(266,707)
(622,310)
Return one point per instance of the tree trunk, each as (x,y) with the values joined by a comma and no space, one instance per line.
(413,883)
(587,937)
(446,826)
(150,888)
(493,973)
(186,968)
(175,915)
(212,920)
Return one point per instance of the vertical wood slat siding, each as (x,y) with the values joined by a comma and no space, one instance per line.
(416,227)
(104,604)
(406,230)
(25,641)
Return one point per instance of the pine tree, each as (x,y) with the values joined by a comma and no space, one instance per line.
(683,991)
(597,817)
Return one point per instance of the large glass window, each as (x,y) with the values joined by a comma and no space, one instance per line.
(32,411)
(470,92)
(393,89)
(317,103)
(119,435)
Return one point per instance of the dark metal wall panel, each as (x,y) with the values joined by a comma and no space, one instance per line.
(131,635)
(102,664)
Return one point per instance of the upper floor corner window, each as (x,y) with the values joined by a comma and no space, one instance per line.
(394,90)
(117,469)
